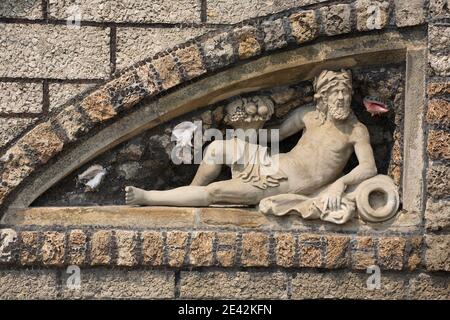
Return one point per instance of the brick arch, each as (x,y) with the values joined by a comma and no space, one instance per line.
(251,55)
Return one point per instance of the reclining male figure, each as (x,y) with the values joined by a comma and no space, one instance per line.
(331,133)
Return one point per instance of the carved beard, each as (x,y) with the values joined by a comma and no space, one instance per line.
(338,113)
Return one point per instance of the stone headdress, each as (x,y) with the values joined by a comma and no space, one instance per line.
(324,81)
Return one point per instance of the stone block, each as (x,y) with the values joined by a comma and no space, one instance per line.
(336,19)
(152,248)
(437,255)
(438,146)
(371,14)
(255,249)
(156,11)
(21,97)
(201,253)
(304,26)
(53,248)
(409,12)
(126,243)
(54,51)
(233,285)
(101,247)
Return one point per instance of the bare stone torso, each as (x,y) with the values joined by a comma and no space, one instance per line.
(319,156)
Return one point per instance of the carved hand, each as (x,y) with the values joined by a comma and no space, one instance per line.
(332,198)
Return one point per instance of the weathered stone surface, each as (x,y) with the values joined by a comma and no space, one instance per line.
(60,93)
(438,38)
(152,248)
(226,248)
(29,247)
(218,51)
(42,142)
(18,97)
(101,247)
(438,178)
(27,9)
(311,249)
(371,14)
(391,251)
(100,283)
(126,242)
(148,79)
(438,144)
(54,51)
(437,215)
(8,245)
(304,26)
(201,253)
(437,253)
(72,122)
(233,285)
(285,249)
(191,61)
(168,71)
(336,19)
(126,90)
(233,11)
(346,285)
(130,11)
(255,249)
(247,41)
(439,9)
(414,253)
(105,216)
(429,287)
(98,106)
(409,12)
(11,128)
(437,88)
(337,251)
(53,248)
(233,217)
(177,242)
(274,34)
(363,253)
(136,44)
(439,64)
(77,247)
(28,284)
(16,166)
(438,112)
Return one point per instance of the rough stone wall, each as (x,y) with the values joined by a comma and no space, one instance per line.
(42,64)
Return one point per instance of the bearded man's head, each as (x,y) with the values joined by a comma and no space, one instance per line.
(333,93)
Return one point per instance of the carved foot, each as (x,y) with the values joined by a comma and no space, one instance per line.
(136,196)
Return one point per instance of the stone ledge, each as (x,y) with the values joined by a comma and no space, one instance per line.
(214,217)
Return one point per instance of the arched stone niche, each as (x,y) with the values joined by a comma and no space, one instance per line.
(275,69)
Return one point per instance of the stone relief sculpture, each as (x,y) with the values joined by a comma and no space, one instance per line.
(308,180)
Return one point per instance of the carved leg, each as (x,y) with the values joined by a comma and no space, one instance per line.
(223,192)
(190,196)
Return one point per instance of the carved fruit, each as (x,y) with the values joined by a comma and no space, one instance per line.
(251,109)
(263,110)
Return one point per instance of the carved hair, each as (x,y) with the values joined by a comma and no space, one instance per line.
(255,108)
(326,80)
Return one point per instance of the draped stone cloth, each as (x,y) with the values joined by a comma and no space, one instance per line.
(253,164)
(354,201)
(307,207)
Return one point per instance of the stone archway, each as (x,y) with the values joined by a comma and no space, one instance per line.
(161,88)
